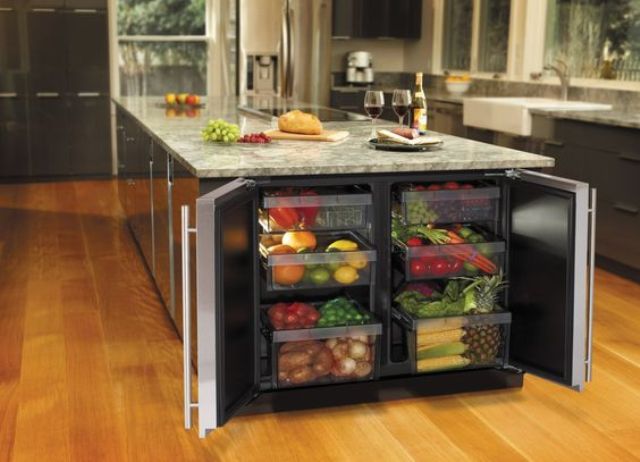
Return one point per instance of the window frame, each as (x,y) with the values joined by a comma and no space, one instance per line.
(525,49)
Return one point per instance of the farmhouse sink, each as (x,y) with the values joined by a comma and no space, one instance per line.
(512,114)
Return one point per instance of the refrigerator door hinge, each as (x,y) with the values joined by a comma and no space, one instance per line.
(510,368)
(513,174)
(250,184)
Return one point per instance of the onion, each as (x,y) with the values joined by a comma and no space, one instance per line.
(346,366)
(340,350)
(331,342)
(357,350)
(360,338)
(362,369)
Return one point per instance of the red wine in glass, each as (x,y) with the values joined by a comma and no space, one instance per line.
(373,111)
(401,101)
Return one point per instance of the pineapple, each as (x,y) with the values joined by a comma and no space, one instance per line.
(483,343)
(481,296)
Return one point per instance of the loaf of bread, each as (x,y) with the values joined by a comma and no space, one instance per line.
(299,122)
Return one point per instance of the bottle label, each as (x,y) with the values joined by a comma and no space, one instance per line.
(419,119)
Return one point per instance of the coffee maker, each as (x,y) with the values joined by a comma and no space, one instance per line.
(359,68)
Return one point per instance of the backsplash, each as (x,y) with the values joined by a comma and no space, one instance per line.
(623,100)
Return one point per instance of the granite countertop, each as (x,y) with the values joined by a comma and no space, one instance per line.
(615,118)
(181,137)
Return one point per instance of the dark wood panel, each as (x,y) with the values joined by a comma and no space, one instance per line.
(598,136)
(617,231)
(47,52)
(87,52)
(90,136)
(48,127)
(14,148)
(9,42)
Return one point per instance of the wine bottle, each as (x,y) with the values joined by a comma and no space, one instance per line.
(419,106)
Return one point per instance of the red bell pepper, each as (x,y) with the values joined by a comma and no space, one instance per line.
(309,213)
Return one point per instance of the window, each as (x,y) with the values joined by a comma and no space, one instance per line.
(456,46)
(596,38)
(494,35)
(476,41)
(168,46)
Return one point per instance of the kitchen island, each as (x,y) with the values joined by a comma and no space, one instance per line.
(536,227)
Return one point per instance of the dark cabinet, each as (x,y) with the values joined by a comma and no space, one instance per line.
(162,255)
(46,4)
(89,135)
(9,42)
(88,4)
(47,52)
(377,18)
(14,149)
(87,52)
(446,118)
(48,135)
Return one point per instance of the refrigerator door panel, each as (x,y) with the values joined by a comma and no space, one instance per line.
(228,375)
(548,276)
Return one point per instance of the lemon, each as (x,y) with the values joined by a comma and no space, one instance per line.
(343,245)
(356,260)
(346,275)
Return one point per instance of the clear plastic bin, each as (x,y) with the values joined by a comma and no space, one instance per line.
(479,204)
(318,268)
(335,208)
(306,357)
(457,342)
(450,260)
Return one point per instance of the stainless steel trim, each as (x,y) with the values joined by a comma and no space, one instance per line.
(153,222)
(8,95)
(186,318)
(43,10)
(592,269)
(284,55)
(88,94)
(47,94)
(85,10)
(292,51)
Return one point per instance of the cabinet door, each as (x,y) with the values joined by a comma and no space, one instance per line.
(14,149)
(87,52)
(47,51)
(46,4)
(9,42)
(161,226)
(346,21)
(49,136)
(90,135)
(142,216)
(227,307)
(121,147)
(549,256)
(89,4)
(404,18)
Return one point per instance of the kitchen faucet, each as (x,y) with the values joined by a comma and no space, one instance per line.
(562,69)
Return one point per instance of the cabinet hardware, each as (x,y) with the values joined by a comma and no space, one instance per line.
(186,315)
(626,208)
(43,10)
(2,10)
(629,157)
(87,94)
(47,94)
(85,10)
(592,269)
(8,95)
(558,144)
(341,37)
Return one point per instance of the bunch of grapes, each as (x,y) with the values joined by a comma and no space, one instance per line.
(221,132)
(255,138)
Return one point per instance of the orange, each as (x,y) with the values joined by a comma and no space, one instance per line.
(300,240)
(287,275)
(280,249)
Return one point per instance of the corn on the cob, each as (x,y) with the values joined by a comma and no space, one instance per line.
(444,324)
(442,363)
(442,349)
(443,336)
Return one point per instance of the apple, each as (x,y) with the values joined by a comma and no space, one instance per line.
(170,112)
(192,112)
(170,98)
(182,98)
(192,100)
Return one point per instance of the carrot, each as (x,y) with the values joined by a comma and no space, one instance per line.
(476,259)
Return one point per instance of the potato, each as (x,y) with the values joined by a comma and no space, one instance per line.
(301,375)
(293,359)
(323,362)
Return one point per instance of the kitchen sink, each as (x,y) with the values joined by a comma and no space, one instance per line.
(513,114)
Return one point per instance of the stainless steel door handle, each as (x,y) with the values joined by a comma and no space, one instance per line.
(47,94)
(186,313)
(592,268)
(626,208)
(88,94)
(8,95)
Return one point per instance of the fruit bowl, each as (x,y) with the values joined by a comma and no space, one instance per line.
(307,260)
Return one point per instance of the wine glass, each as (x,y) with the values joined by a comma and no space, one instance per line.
(373,105)
(401,102)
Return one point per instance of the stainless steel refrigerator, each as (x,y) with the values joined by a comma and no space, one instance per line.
(284,48)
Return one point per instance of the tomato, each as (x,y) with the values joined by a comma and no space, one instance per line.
(414,241)
(439,267)
(467,186)
(291,319)
(455,266)
(313,316)
(452,185)
(417,267)
(434,187)
(419,188)
(277,312)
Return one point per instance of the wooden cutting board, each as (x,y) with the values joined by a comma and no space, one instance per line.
(326,135)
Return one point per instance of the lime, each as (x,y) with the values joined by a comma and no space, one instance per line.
(320,276)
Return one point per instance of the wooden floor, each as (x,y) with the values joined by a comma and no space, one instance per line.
(90,367)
